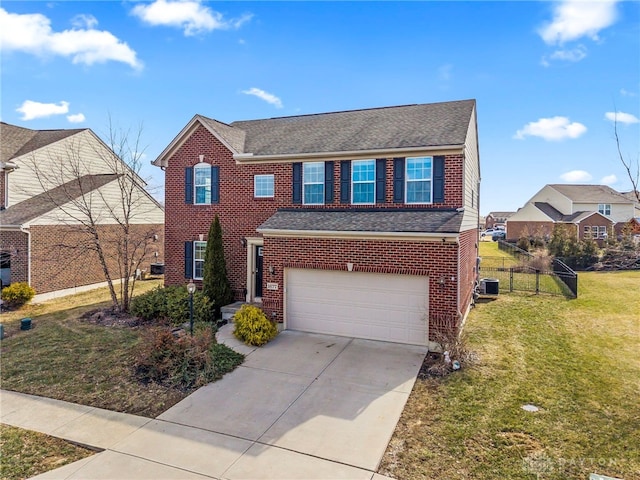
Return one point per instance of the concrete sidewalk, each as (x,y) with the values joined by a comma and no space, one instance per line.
(304,406)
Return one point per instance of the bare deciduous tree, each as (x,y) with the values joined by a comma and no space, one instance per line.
(631,167)
(98,198)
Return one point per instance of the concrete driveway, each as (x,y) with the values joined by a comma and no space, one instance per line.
(304,406)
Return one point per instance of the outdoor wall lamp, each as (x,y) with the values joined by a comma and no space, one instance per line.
(442,280)
(272,269)
(243,241)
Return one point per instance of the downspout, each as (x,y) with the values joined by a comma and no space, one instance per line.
(28,232)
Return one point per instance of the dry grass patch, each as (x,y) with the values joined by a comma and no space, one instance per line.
(574,359)
(26,453)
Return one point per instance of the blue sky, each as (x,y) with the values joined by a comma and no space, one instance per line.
(549,77)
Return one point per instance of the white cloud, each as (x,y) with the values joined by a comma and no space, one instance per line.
(267,97)
(627,93)
(609,179)
(574,19)
(444,72)
(31,110)
(190,15)
(32,33)
(621,117)
(76,118)
(576,176)
(571,55)
(84,21)
(554,128)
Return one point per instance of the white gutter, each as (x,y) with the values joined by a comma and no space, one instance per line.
(346,155)
(28,232)
(411,236)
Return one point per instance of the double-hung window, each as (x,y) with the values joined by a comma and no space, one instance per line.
(199,249)
(418,180)
(604,209)
(202,183)
(313,183)
(363,181)
(263,186)
(587,232)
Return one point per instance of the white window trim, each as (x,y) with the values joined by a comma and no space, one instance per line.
(304,182)
(407,181)
(603,208)
(195,185)
(255,185)
(195,260)
(353,182)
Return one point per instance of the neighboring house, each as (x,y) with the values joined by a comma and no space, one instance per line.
(359,223)
(41,240)
(593,210)
(497,219)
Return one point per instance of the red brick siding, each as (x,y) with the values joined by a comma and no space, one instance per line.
(516,230)
(239,212)
(16,244)
(435,259)
(59,262)
(468,267)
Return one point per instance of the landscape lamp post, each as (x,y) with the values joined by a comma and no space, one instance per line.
(191,288)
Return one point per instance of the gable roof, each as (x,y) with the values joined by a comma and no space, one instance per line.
(414,126)
(369,220)
(590,193)
(17,141)
(501,214)
(36,206)
(557,216)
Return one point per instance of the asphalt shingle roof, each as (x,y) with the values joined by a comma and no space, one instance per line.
(558,216)
(16,141)
(38,205)
(424,125)
(590,193)
(382,220)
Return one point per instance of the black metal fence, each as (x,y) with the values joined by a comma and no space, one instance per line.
(518,273)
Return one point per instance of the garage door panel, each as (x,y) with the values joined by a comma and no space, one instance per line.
(363,305)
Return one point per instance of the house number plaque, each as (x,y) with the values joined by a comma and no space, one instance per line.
(272,286)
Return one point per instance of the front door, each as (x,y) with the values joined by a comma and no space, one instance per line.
(258,272)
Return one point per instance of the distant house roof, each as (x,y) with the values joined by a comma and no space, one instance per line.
(558,217)
(34,207)
(501,214)
(631,195)
(17,141)
(373,220)
(409,126)
(590,193)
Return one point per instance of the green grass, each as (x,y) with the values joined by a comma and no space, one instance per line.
(575,359)
(25,454)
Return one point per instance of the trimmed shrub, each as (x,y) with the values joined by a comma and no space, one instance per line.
(253,327)
(172,304)
(183,362)
(17,294)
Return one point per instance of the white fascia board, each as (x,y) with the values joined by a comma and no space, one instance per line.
(363,235)
(248,158)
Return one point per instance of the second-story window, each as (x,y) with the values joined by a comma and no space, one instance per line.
(313,183)
(363,181)
(418,180)
(202,183)
(604,209)
(263,186)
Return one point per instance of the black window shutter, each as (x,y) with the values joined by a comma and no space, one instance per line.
(398,180)
(188,260)
(297,183)
(438,179)
(328,182)
(381,180)
(188,185)
(215,184)
(345,181)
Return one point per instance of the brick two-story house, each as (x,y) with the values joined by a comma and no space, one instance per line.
(359,223)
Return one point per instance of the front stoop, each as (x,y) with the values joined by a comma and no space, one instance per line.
(228,311)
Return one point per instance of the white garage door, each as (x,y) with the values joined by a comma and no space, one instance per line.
(374,306)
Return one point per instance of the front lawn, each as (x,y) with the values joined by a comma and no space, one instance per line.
(68,357)
(577,360)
